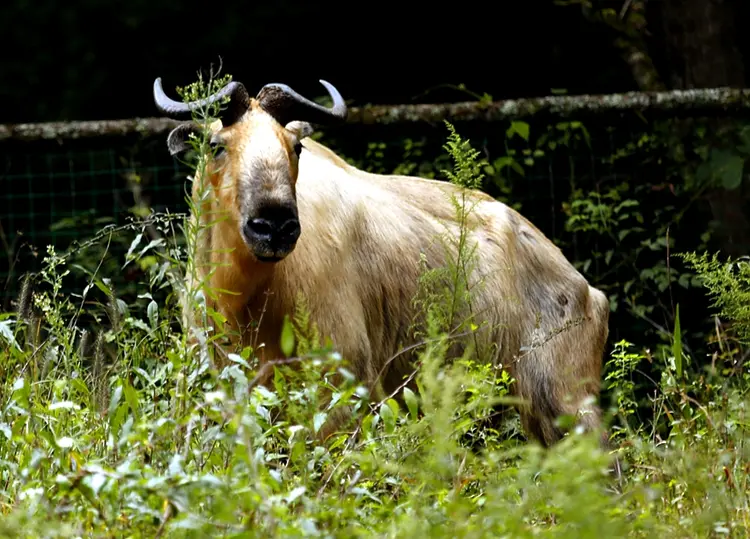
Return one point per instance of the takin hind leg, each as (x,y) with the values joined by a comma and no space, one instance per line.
(563,378)
(549,391)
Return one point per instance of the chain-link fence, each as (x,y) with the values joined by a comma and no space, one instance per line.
(60,193)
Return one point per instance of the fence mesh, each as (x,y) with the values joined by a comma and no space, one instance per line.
(60,193)
(41,189)
(57,193)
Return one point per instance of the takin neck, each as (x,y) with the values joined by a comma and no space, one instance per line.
(238,278)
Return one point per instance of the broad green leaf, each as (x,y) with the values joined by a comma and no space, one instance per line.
(133,245)
(518,128)
(368,424)
(389,420)
(103,287)
(217,317)
(287,337)
(393,405)
(115,400)
(507,161)
(318,420)
(235,358)
(703,172)
(411,402)
(726,167)
(7,333)
(131,397)
(153,313)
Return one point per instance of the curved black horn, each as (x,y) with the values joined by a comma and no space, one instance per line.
(238,104)
(286,105)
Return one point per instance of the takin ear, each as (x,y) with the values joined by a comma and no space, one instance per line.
(300,129)
(177,141)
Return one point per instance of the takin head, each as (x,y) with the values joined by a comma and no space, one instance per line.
(255,167)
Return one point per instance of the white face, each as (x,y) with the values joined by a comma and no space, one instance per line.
(259,166)
(257,170)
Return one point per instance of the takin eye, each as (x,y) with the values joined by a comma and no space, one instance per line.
(217,148)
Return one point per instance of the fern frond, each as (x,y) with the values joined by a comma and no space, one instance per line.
(305,331)
(728,285)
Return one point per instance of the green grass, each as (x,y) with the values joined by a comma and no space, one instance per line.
(154,442)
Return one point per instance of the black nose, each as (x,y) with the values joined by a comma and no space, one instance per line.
(272,230)
(275,227)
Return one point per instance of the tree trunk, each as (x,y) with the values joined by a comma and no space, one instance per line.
(700,38)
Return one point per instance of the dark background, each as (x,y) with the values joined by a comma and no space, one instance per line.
(93,60)
(89,60)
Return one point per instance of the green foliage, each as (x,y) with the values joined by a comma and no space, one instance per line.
(467,172)
(153,446)
(728,284)
(305,329)
(621,367)
(445,290)
(723,167)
